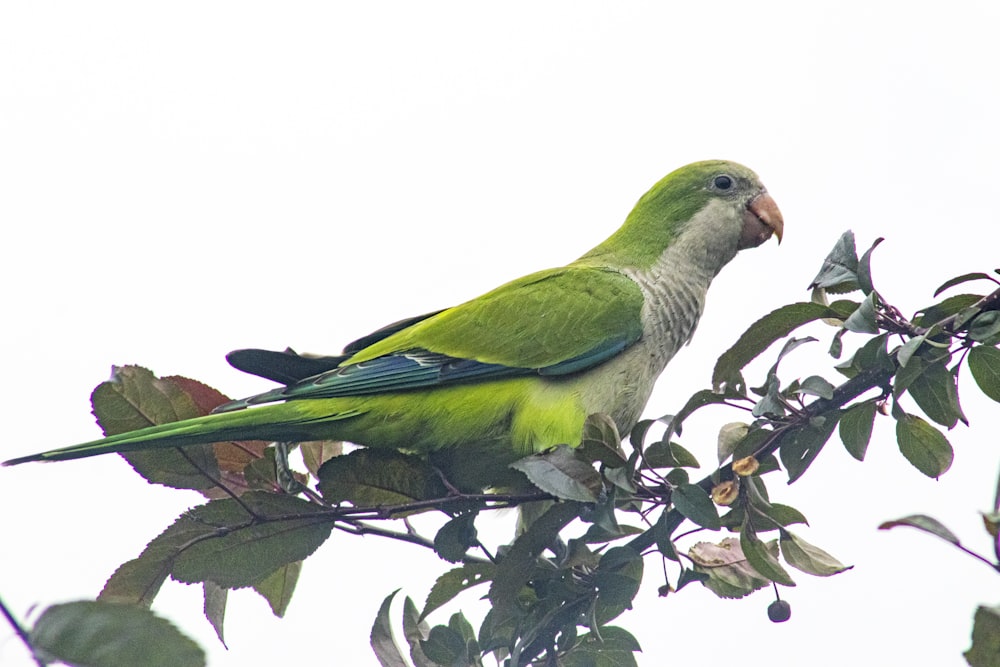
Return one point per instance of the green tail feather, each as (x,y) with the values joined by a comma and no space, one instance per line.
(283,421)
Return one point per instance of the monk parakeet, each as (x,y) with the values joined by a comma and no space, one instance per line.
(518,369)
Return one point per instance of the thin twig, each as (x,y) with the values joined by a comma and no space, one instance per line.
(21,633)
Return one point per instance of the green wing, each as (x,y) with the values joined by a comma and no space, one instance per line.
(554,322)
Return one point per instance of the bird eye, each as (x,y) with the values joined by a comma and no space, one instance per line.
(723,182)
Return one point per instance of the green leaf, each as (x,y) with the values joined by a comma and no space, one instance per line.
(984,362)
(277,587)
(925,523)
(111,635)
(935,392)
(908,349)
(923,446)
(562,473)
(752,442)
(601,442)
(689,576)
(697,401)
(772,403)
(985,649)
(760,336)
(617,580)
(839,272)
(415,630)
(668,455)
(134,398)
(862,320)
(445,646)
(516,566)
(800,448)
(870,356)
(762,559)
(815,385)
(238,551)
(694,503)
(730,435)
(215,607)
(865,269)
(950,306)
(809,558)
(784,515)
(456,537)
(958,280)
(453,582)
(382,642)
(613,647)
(856,425)
(985,327)
(373,478)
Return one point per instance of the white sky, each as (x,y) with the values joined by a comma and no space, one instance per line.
(184,179)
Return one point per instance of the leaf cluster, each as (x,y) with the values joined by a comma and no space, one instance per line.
(592,512)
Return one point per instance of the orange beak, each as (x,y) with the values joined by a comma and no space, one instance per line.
(761,219)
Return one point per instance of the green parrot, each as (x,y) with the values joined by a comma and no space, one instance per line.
(518,369)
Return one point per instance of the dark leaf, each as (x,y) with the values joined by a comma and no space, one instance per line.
(815,385)
(453,582)
(514,569)
(562,473)
(865,269)
(689,576)
(697,401)
(809,558)
(771,403)
(950,306)
(637,436)
(111,635)
(617,581)
(694,502)
(958,280)
(601,442)
(762,559)
(456,537)
(215,607)
(803,445)
(760,336)
(908,349)
(984,362)
(613,647)
(752,442)
(238,551)
(934,390)
(784,515)
(985,328)
(668,455)
(445,646)
(372,478)
(415,630)
(383,644)
(985,649)
(925,523)
(277,587)
(856,425)
(862,320)
(839,272)
(923,446)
